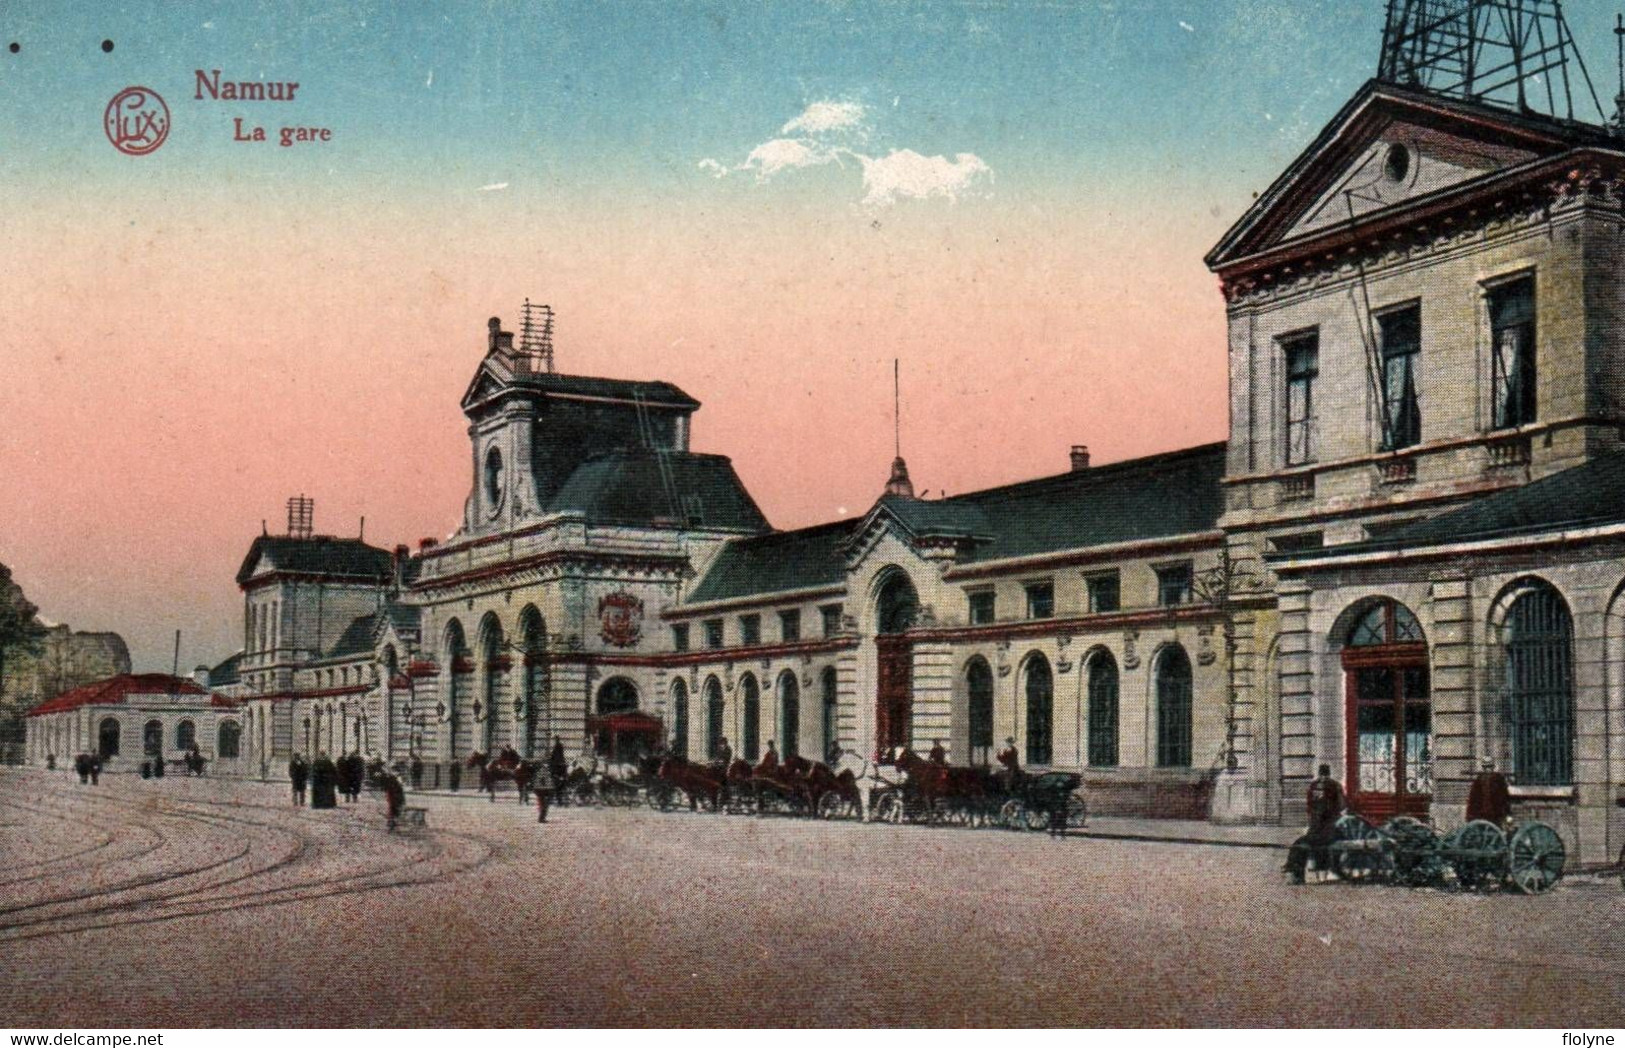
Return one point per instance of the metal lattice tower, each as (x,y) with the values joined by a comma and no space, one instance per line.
(1512,53)
(536,333)
(301,514)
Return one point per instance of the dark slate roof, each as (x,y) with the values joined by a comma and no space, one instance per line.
(356,638)
(226,671)
(651,392)
(1583,496)
(783,560)
(1161,496)
(318,555)
(1177,493)
(404,617)
(625,487)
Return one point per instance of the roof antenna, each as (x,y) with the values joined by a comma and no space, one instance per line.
(1619,45)
(898,484)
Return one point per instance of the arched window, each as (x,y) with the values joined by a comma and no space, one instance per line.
(107,738)
(898,604)
(713,719)
(1103,711)
(789,714)
(227,741)
(455,651)
(679,719)
(1040,710)
(1174,709)
(536,684)
(896,608)
(617,695)
(753,717)
(1540,688)
(491,665)
(979,703)
(185,735)
(831,705)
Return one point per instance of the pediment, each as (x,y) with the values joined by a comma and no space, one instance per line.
(488,381)
(1390,147)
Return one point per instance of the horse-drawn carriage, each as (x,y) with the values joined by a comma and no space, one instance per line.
(969,796)
(1477,855)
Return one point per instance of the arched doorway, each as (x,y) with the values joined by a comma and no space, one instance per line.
(534,634)
(1040,690)
(456,661)
(1103,710)
(979,710)
(789,715)
(1389,712)
(492,667)
(752,730)
(1174,688)
(617,695)
(679,719)
(107,738)
(185,735)
(897,605)
(713,719)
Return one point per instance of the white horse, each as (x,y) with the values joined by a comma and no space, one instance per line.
(866,775)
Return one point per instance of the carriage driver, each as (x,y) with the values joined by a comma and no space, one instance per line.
(938,755)
(770,760)
(1012,764)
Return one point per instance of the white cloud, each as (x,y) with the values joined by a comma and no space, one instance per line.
(826,131)
(905,173)
(493,186)
(823,117)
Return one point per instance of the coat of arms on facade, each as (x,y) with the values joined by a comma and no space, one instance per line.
(620,618)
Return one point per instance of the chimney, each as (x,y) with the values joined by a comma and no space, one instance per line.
(498,338)
(201,676)
(425,545)
(1080,457)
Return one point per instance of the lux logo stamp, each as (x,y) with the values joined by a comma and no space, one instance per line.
(136,121)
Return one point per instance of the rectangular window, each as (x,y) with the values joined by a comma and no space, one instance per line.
(1174,585)
(982,607)
(1302,369)
(1105,592)
(1512,338)
(1400,333)
(679,637)
(832,619)
(790,626)
(750,629)
(1040,600)
(713,633)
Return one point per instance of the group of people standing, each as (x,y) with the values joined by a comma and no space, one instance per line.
(327,779)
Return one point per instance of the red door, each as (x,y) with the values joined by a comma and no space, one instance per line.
(1390,733)
(894,699)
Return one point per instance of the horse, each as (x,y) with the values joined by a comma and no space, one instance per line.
(493,770)
(696,780)
(194,762)
(866,779)
(942,788)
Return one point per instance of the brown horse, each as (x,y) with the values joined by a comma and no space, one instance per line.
(696,780)
(941,789)
(505,768)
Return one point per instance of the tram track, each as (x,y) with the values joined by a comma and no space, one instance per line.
(435,857)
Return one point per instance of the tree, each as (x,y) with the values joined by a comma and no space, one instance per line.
(21,633)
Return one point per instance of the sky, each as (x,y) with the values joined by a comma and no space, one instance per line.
(763,203)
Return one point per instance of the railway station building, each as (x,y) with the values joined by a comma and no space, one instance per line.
(1408,556)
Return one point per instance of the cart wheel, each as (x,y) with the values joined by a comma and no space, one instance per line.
(889,808)
(832,806)
(1535,858)
(1011,815)
(1036,820)
(586,795)
(1479,853)
(1362,865)
(1077,812)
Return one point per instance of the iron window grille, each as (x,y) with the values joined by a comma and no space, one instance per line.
(979,687)
(1540,689)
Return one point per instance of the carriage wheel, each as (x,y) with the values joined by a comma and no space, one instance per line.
(1417,858)
(1486,846)
(1077,812)
(1036,820)
(585,795)
(1364,865)
(1011,815)
(660,797)
(889,808)
(1535,858)
(831,806)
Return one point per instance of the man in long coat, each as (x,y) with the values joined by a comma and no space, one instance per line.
(1326,803)
(298,776)
(558,767)
(1489,798)
(324,777)
(394,798)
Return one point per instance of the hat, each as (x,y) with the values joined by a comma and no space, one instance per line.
(1010,740)
(1325,769)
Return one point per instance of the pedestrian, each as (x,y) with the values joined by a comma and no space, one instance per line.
(298,775)
(323,782)
(50,762)
(394,798)
(938,755)
(158,765)
(95,769)
(81,767)
(1325,803)
(542,785)
(1489,798)
(417,772)
(558,768)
